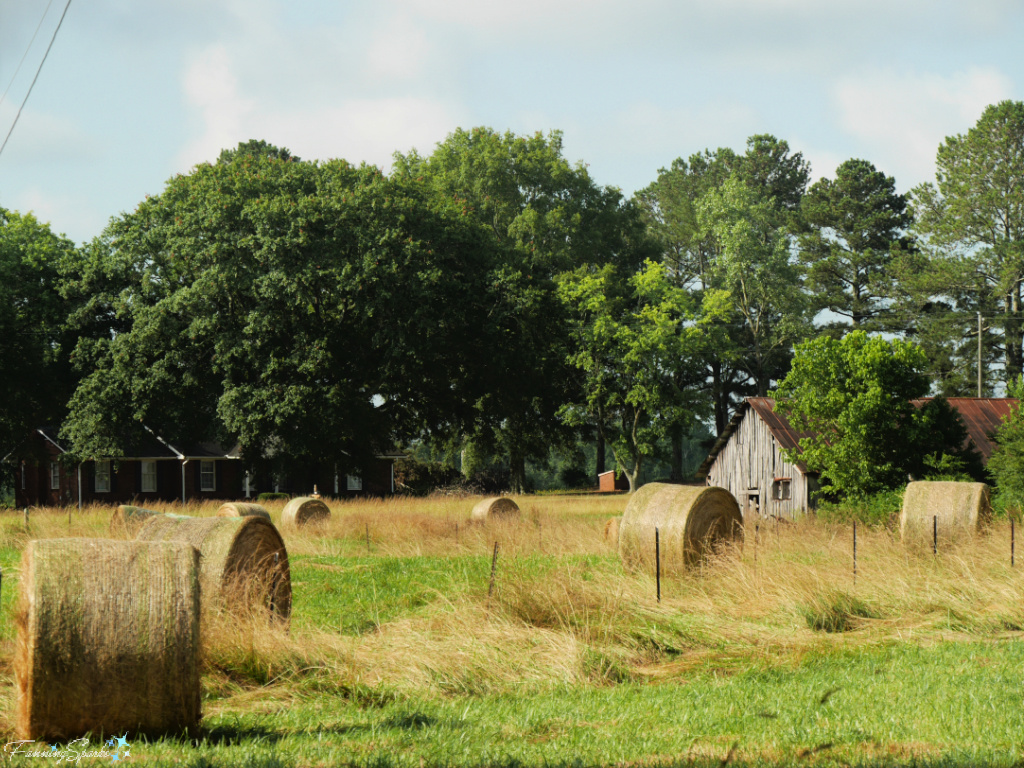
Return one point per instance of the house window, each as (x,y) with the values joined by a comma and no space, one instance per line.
(354,483)
(148,477)
(780,488)
(207,476)
(103,476)
(54,476)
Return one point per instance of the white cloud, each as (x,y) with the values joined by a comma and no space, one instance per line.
(358,129)
(904,118)
(398,50)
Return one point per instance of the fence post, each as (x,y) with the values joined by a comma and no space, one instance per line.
(1013,542)
(935,534)
(494,571)
(657,561)
(855,553)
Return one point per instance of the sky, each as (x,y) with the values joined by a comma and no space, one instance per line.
(135,92)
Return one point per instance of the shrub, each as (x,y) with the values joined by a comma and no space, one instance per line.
(876,509)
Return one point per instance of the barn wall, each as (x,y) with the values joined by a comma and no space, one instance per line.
(749,463)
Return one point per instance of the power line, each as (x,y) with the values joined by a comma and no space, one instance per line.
(38,70)
(25,55)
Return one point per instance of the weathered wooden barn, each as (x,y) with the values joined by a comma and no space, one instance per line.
(747,458)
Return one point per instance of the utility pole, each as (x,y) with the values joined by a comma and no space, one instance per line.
(979,354)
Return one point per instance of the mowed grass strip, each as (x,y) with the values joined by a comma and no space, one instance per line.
(950,704)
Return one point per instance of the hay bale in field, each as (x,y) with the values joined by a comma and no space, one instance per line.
(243,560)
(961,508)
(108,638)
(305,510)
(242,509)
(611,531)
(691,521)
(496,508)
(128,519)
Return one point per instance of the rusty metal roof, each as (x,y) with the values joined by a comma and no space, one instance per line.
(981,415)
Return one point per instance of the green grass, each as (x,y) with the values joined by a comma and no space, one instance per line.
(775,660)
(950,704)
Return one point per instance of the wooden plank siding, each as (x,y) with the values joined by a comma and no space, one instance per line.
(749,463)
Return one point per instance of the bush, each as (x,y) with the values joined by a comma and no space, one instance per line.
(270,496)
(877,509)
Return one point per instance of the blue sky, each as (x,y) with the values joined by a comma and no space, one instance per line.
(134,92)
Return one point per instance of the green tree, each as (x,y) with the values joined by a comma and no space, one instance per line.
(672,207)
(855,229)
(756,267)
(1007,462)
(854,396)
(315,312)
(973,216)
(35,377)
(548,216)
(633,337)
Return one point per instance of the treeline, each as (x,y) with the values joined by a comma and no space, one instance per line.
(491,300)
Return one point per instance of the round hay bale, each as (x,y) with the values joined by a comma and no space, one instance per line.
(496,508)
(243,560)
(305,510)
(691,521)
(108,638)
(961,509)
(242,509)
(127,519)
(611,531)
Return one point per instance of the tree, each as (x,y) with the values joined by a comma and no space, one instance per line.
(635,338)
(1007,461)
(692,250)
(856,228)
(974,215)
(548,216)
(764,282)
(315,312)
(854,396)
(35,376)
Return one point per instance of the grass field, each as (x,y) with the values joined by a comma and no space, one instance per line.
(770,654)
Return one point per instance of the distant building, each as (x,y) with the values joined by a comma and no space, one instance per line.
(154,470)
(612,481)
(747,458)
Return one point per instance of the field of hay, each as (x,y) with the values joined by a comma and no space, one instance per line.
(399,652)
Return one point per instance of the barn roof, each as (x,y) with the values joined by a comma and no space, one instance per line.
(981,415)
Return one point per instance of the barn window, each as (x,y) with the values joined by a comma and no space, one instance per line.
(54,476)
(103,476)
(148,477)
(354,483)
(781,488)
(207,476)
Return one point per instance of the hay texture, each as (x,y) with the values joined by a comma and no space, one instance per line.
(108,638)
(242,509)
(691,522)
(305,510)
(961,509)
(611,531)
(243,561)
(126,519)
(499,508)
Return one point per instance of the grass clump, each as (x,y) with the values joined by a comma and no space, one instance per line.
(836,611)
(878,509)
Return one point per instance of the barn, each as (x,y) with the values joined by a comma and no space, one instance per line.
(747,458)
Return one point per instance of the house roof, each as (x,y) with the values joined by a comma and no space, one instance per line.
(981,415)
(151,446)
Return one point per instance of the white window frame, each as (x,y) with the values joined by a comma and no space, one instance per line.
(150,487)
(207,475)
(353,483)
(101,470)
(54,476)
